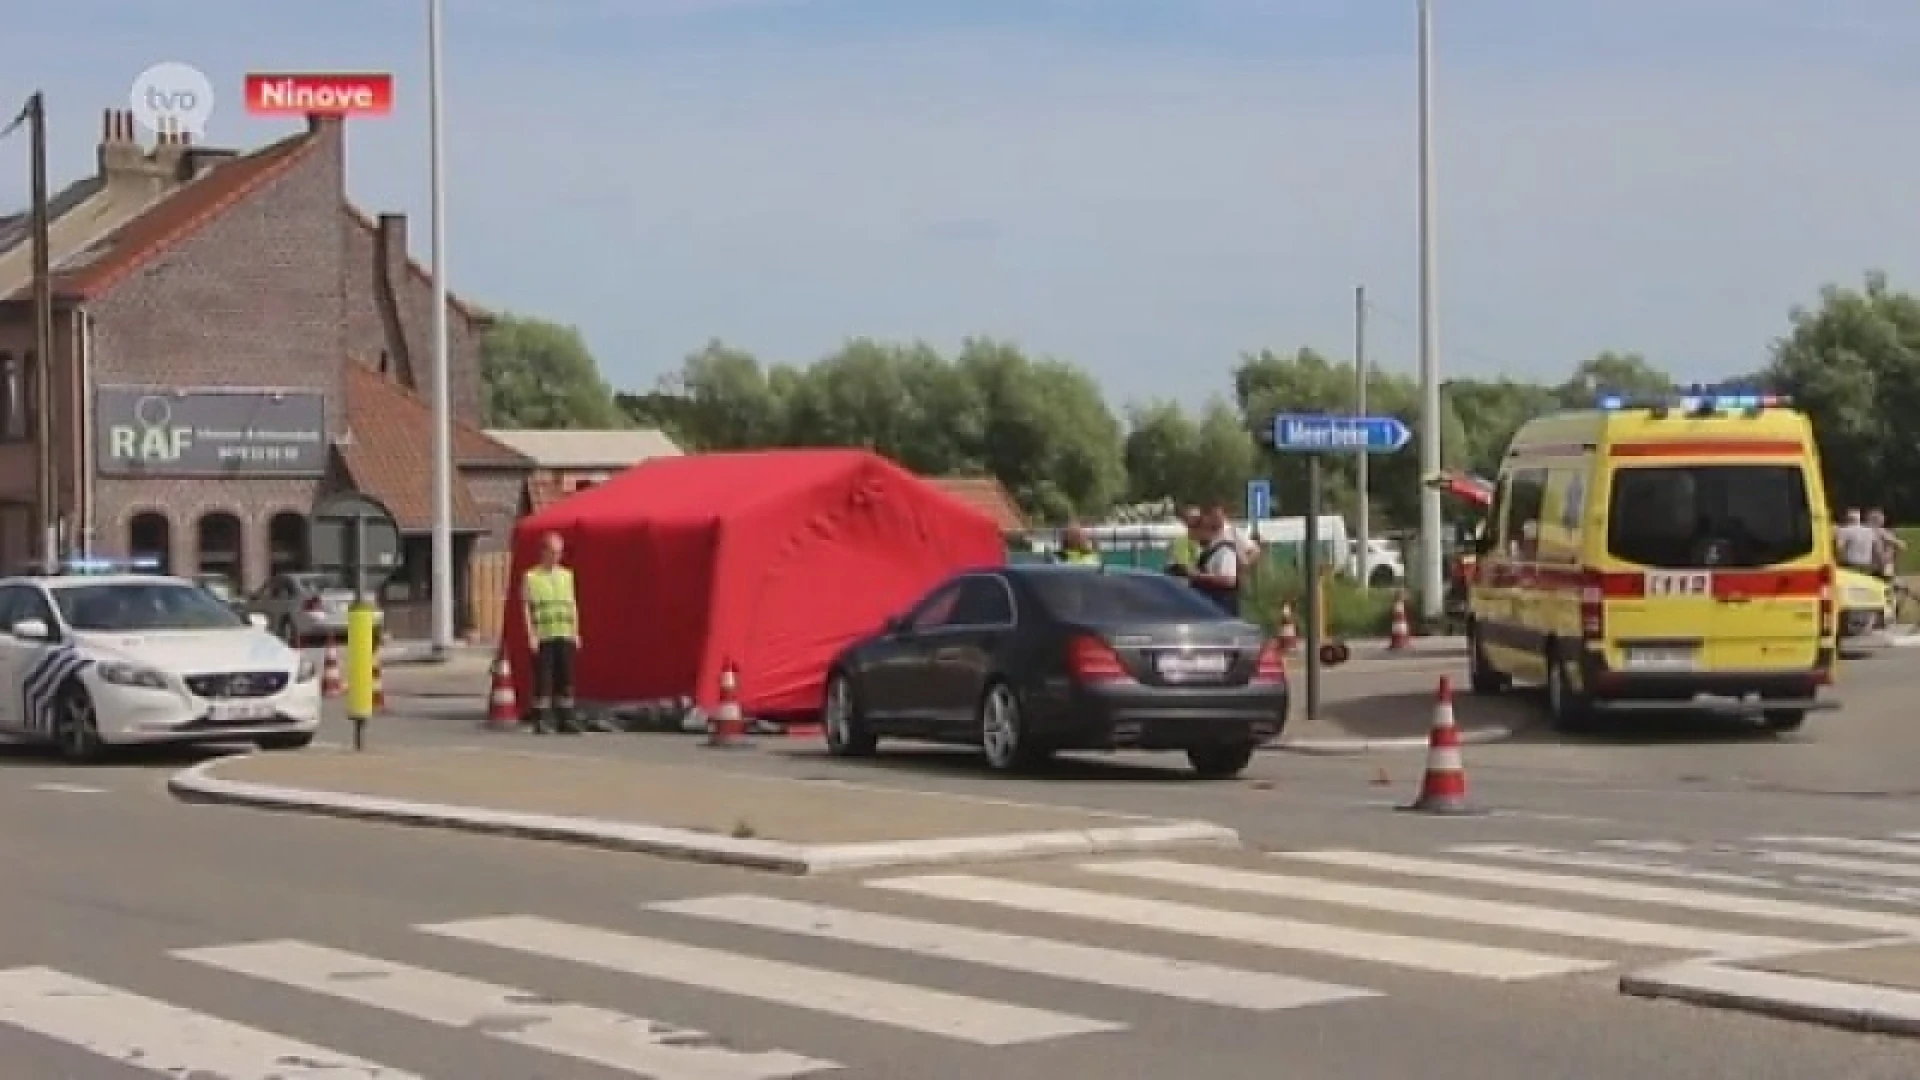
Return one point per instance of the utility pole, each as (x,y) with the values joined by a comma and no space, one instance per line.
(1432,580)
(444,578)
(42,367)
(1364,530)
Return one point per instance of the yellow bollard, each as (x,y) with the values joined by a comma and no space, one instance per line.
(360,660)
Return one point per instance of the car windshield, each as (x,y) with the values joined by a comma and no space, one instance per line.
(1105,597)
(1695,516)
(130,607)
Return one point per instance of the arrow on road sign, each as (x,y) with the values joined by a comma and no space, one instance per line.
(1319,434)
(1259,500)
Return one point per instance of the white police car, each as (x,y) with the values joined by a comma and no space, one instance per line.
(96,656)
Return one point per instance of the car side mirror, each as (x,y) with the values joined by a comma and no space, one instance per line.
(258,621)
(31,630)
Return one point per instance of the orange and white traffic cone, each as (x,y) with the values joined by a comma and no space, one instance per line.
(331,684)
(379,686)
(727,728)
(1443,790)
(1402,632)
(1289,631)
(503,709)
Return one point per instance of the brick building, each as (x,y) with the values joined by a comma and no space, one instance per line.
(234,339)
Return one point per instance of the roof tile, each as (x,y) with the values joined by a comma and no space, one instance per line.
(392,432)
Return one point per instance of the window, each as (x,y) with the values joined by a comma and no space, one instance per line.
(1525,496)
(160,605)
(10,598)
(286,543)
(10,399)
(984,601)
(150,536)
(1122,597)
(19,603)
(1694,516)
(219,544)
(935,610)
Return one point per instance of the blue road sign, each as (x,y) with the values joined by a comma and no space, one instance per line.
(1320,434)
(1259,500)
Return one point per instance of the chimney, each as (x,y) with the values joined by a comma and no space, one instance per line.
(393,243)
(170,147)
(120,152)
(319,122)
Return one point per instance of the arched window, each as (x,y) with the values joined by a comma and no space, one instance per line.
(220,547)
(287,542)
(150,536)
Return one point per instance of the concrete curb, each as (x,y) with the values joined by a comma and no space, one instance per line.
(1854,1006)
(198,784)
(1337,747)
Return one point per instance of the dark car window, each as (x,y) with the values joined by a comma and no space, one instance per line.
(1694,516)
(144,606)
(1113,597)
(937,609)
(983,601)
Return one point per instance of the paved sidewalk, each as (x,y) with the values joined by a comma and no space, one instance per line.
(1871,987)
(799,826)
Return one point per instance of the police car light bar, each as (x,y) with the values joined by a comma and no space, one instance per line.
(108,566)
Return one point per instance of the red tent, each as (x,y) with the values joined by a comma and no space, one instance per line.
(773,560)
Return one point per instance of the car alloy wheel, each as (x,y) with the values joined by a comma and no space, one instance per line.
(1000,734)
(76,729)
(847,734)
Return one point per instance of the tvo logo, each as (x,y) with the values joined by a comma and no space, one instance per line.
(172,99)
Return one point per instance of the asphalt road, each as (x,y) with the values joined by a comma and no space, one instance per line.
(279,943)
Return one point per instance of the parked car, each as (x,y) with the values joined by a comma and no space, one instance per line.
(1025,661)
(223,590)
(307,606)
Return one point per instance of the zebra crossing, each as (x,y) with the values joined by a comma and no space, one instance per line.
(1300,930)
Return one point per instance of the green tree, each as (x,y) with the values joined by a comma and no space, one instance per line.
(727,401)
(1171,456)
(1498,408)
(1627,374)
(538,374)
(1048,435)
(1852,363)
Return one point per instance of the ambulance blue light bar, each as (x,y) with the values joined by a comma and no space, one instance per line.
(81,567)
(1698,402)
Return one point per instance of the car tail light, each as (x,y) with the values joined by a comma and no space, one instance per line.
(315,604)
(1272,667)
(1826,602)
(1593,606)
(1093,661)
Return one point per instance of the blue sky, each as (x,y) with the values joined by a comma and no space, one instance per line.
(1145,187)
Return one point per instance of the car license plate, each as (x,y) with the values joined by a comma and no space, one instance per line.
(1660,659)
(1679,583)
(1190,664)
(239,712)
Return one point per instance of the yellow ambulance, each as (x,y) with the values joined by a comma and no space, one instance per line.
(1653,556)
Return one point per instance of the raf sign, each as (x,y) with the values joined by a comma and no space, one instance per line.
(160,432)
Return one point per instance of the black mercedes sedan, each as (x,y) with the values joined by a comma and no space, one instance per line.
(1024,661)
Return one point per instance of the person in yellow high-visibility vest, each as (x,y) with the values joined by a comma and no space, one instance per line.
(553,633)
(1185,549)
(1076,548)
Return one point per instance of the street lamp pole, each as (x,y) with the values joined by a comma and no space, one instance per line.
(1432,585)
(443,576)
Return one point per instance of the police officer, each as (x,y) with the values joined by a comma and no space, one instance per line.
(1216,572)
(1076,548)
(553,631)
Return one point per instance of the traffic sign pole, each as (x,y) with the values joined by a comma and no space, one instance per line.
(1311,561)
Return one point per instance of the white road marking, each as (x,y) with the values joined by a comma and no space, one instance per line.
(142,1033)
(629,1044)
(1893,848)
(930,1012)
(1840,864)
(1614,889)
(1423,954)
(1144,973)
(1612,864)
(1435,905)
(1657,847)
(70,789)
